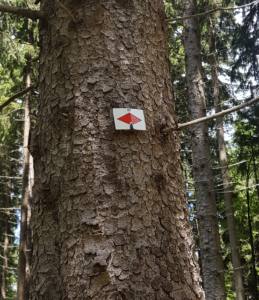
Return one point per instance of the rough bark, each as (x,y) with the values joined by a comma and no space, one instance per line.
(202,171)
(25,190)
(239,286)
(6,239)
(110,218)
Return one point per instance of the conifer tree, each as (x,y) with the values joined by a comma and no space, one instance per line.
(111,206)
(209,239)
(239,287)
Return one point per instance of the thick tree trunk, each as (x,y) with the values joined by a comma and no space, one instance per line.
(110,218)
(239,287)
(212,265)
(24,204)
(6,239)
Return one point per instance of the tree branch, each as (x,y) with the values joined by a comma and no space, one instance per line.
(210,12)
(21,93)
(11,208)
(35,59)
(27,13)
(205,119)
(68,12)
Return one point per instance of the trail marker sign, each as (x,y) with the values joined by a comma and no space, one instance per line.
(127,119)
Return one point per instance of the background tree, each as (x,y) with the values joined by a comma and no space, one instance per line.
(224,56)
(17,36)
(9,190)
(202,170)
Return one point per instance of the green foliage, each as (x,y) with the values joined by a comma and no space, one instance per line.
(236,49)
(176,57)
(9,166)
(18,36)
(246,49)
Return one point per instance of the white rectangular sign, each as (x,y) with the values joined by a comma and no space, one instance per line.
(127,118)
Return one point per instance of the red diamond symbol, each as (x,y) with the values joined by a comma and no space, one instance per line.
(129,118)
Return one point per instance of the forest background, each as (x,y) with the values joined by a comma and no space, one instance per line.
(237,53)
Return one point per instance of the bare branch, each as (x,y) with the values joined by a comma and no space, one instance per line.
(21,93)
(68,12)
(35,59)
(10,177)
(27,13)
(11,208)
(210,12)
(205,119)
(241,162)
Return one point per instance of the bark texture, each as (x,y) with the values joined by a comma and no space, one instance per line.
(25,194)
(239,287)
(212,265)
(110,217)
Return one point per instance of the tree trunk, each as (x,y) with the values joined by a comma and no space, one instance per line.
(29,234)
(6,239)
(254,166)
(212,265)
(239,287)
(251,239)
(110,218)
(24,204)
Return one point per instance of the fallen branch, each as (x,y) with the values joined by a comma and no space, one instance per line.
(21,93)
(68,12)
(210,12)
(205,119)
(27,13)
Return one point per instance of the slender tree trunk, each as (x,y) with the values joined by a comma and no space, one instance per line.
(6,240)
(254,167)
(29,235)
(212,265)
(25,190)
(110,218)
(5,257)
(239,287)
(256,251)
(251,238)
